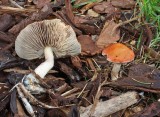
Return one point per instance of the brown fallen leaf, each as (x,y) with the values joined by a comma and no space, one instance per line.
(108,34)
(87,27)
(88,45)
(105,7)
(111,32)
(123,3)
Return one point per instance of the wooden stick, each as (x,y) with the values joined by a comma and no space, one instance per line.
(7,9)
(111,106)
(15,4)
(25,102)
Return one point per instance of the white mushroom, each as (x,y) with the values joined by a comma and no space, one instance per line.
(49,38)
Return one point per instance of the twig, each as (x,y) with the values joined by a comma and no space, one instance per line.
(145,83)
(7,9)
(96,100)
(32,99)
(123,23)
(15,4)
(62,88)
(25,102)
(82,90)
(70,92)
(111,106)
(16,70)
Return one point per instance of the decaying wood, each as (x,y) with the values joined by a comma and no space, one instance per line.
(20,71)
(70,92)
(7,9)
(111,106)
(25,102)
(32,99)
(15,4)
(20,109)
(6,37)
(36,16)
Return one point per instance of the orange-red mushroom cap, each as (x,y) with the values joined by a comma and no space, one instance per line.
(118,53)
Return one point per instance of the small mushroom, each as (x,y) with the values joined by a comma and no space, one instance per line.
(118,53)
(50,39)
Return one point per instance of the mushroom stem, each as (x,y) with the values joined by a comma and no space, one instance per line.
(44,67)
(115,71)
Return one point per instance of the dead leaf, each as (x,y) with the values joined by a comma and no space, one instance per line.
(108,34)
(123,3)
(105,7)
(88,45)
(77,20)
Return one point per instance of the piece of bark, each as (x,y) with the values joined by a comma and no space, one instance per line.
(5,2)
(13,103)
(71,73)
(6,21)
(123,3)
(105,7)
(21,112)
(152,53)
(41,3)
(6,37)
(57,4)
(86,28)
(61,15)
(10,10)
(56,113)
(36,16)
(111,106)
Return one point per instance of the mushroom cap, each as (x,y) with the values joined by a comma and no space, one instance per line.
(32,40)
(118,53)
